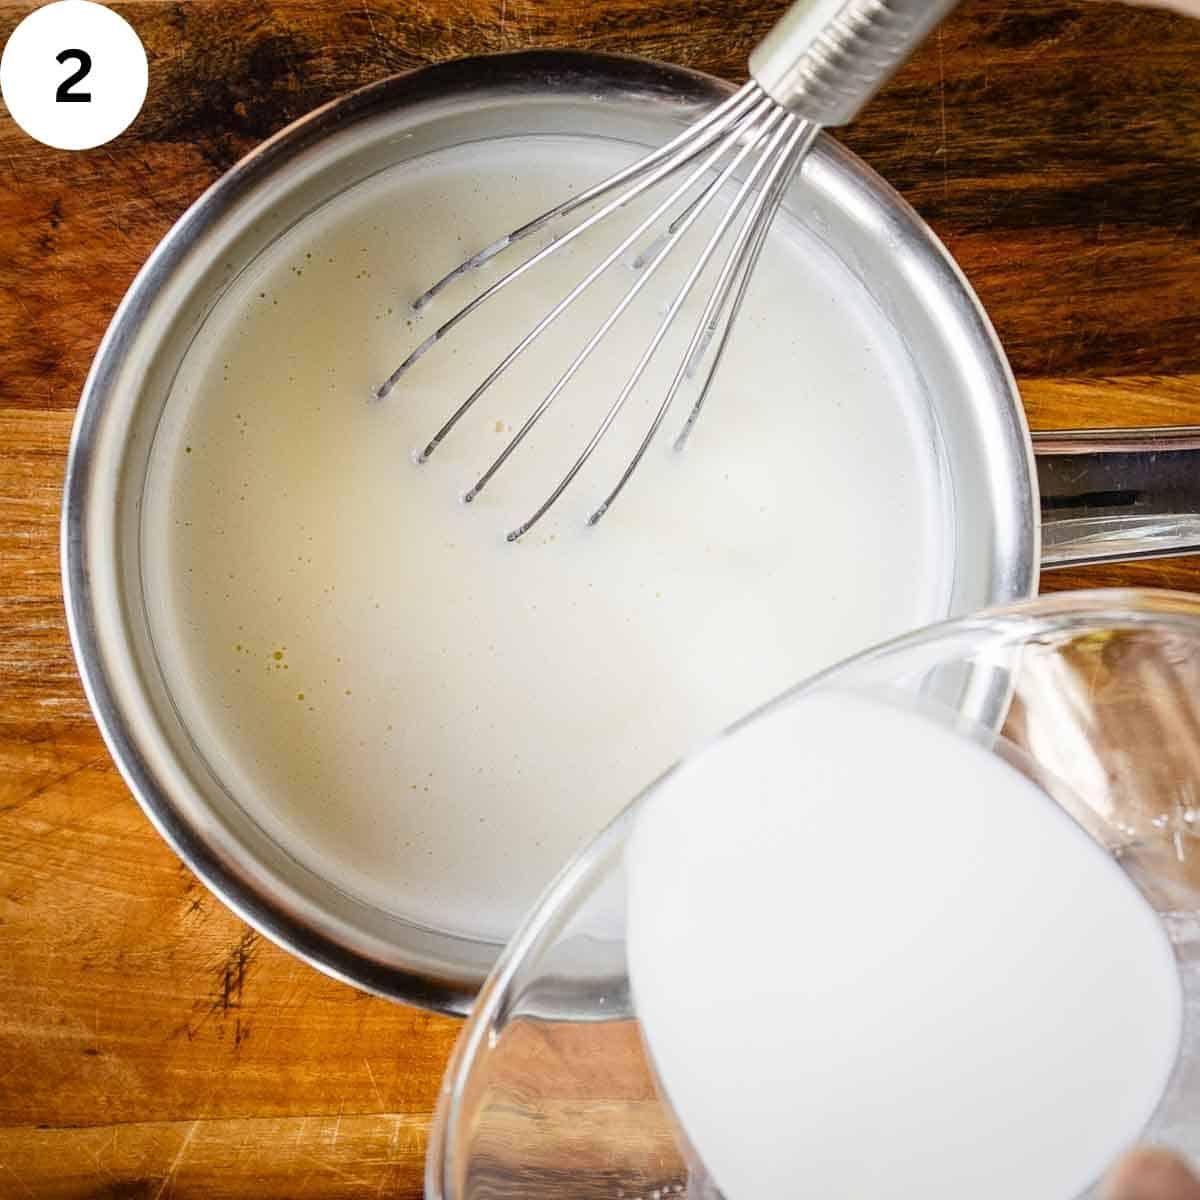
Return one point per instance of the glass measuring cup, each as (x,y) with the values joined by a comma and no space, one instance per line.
(1094,695)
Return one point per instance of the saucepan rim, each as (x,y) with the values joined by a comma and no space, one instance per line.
(259,896)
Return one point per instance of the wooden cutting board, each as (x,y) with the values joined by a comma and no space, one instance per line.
(153,1047)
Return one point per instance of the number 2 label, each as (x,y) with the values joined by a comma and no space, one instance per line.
(74,74)
(64,95)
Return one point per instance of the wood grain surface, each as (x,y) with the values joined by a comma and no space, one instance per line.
(151,1046)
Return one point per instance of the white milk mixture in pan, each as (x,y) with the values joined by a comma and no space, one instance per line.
(434,718)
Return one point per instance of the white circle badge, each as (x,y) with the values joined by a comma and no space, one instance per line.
(74,74)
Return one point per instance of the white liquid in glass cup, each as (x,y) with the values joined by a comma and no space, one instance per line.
(997,1017)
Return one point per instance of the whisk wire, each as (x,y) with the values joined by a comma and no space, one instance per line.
(741,280)
(752,99)
(696,358)
(710,152)
(817,67)
(726,143)
(654,248)
(783,163)
(772,117)
(729,109)
(773,130)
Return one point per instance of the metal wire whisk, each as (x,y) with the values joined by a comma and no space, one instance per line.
(817,67)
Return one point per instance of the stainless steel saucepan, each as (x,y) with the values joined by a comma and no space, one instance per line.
(1119,494)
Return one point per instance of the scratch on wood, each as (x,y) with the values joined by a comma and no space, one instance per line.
(227,998)
(20,1182)
(384,1179)
(340,1172)
(233,973)
(233,983)
(109,1147)
(378,1093)
(371,23)
(62,777)
(394,1137)
(942,95)
(187,1139)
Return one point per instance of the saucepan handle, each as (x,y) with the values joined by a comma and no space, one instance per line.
(1113,495)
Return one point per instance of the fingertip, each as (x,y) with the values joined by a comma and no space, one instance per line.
(1148,1173)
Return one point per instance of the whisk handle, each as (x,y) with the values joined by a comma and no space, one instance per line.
(825,59)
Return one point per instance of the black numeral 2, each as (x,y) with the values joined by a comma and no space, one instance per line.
(64,95)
